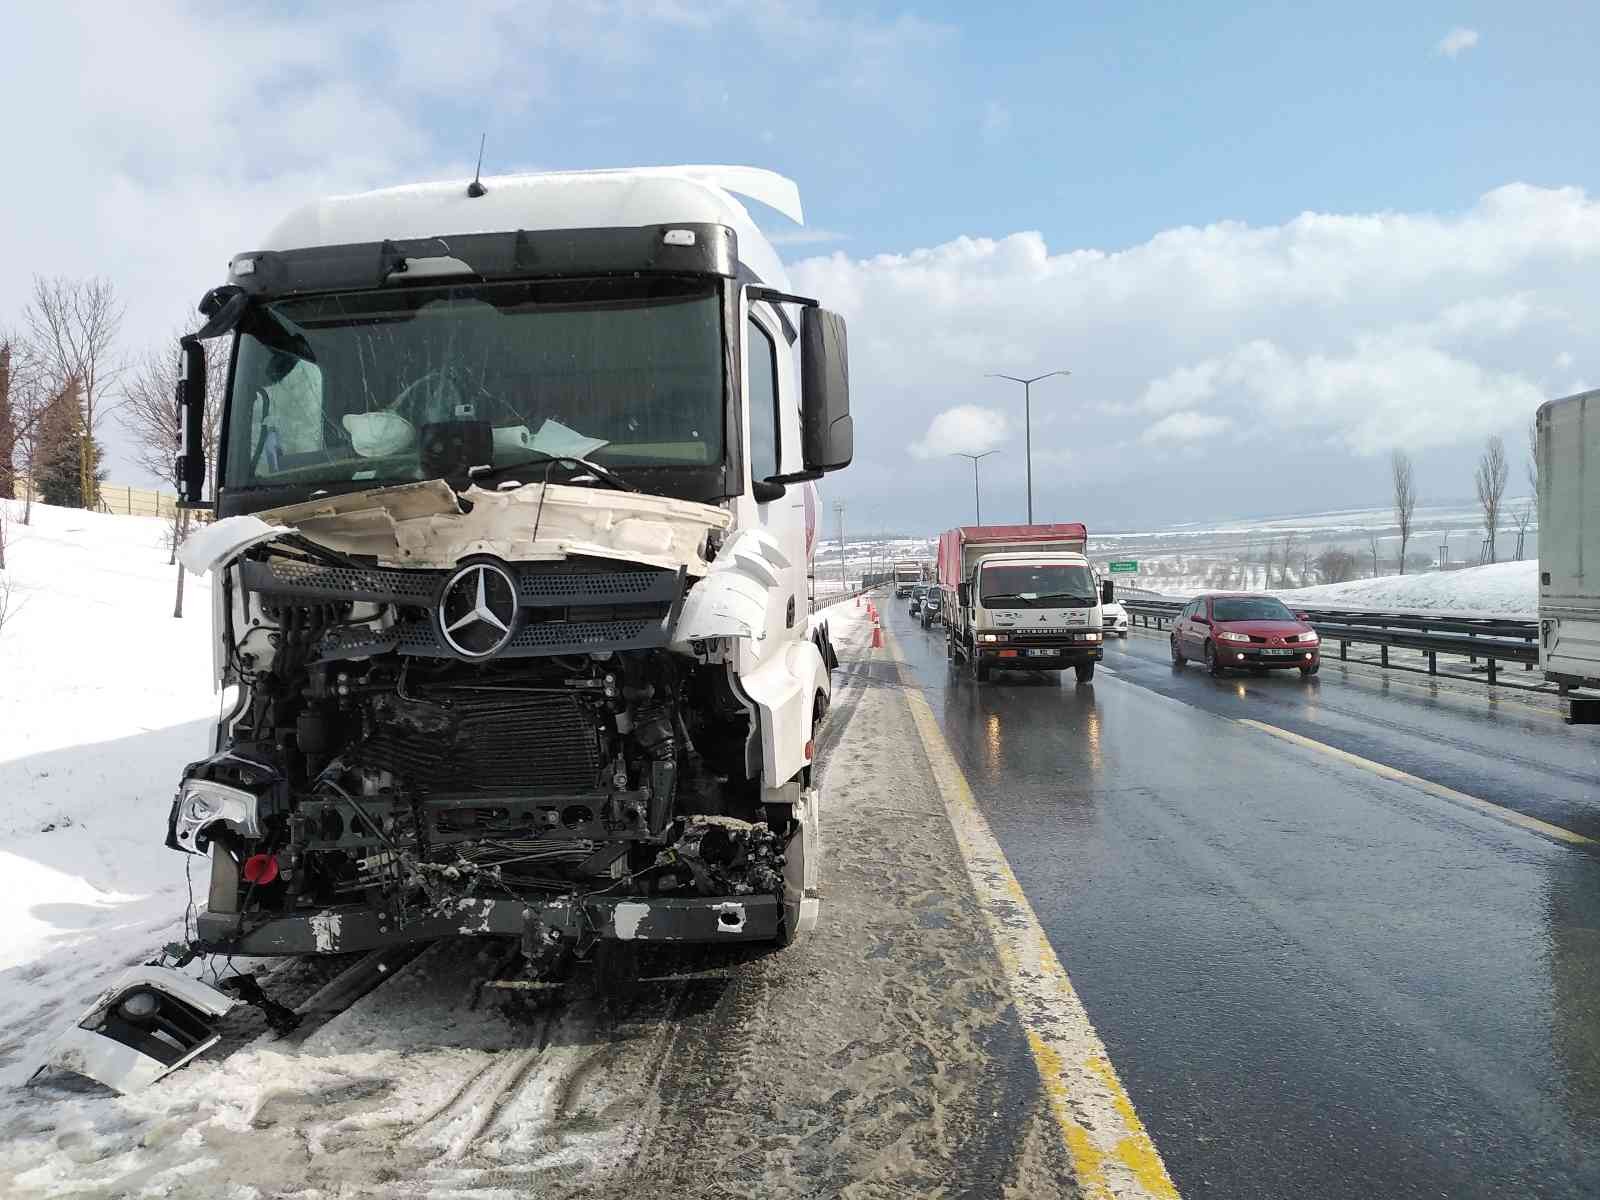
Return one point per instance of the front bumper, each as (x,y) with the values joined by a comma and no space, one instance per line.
(1040,656)
(607,918)
(1256,656)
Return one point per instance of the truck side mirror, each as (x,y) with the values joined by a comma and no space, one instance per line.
(190,467)
(1108,591)
(964,594)
(827,433)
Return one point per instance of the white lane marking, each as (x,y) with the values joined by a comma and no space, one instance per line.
(1509,815)
(1112,1154)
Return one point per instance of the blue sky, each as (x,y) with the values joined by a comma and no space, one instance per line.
(1096,125)
(1271,243)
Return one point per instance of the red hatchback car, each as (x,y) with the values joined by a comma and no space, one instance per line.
(1249,632)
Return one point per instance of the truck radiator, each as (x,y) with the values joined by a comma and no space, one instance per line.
(525,746)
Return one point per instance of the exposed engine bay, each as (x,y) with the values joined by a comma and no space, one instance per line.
(501,747)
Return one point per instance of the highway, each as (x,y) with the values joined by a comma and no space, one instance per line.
(1315,978)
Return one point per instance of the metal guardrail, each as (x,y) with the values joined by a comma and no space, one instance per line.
(829,599)
(1493,639)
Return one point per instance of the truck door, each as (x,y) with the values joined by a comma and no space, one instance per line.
(773,439)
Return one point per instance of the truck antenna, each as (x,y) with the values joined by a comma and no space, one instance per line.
(476,188)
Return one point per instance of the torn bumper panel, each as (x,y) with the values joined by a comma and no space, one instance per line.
(646,919)
(149,1023)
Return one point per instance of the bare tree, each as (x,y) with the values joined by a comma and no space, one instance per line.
(1522,517)
(1336,565)
(1533,458)
(1372,548)
(21,408)
(1490,478)
(1286,551)
(8,432)
(73,324)
(150,414)
(1405,499)
(28,404)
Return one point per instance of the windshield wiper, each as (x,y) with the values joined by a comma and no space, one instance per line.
(603,474)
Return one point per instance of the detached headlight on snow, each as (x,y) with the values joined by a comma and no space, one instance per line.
(202,802)
(1229,636)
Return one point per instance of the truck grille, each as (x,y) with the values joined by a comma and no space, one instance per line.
(567,607)
(529,746)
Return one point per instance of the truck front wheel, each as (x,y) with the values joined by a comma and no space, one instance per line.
(1085,672)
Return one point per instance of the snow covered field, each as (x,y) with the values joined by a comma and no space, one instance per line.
(1498,589)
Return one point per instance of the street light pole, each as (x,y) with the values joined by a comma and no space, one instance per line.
(1027,417)
(844,582)
(977,500)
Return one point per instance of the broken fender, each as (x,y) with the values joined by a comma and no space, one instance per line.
(221,542)
(733,599)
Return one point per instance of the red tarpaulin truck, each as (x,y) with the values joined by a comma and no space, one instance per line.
(1021,598)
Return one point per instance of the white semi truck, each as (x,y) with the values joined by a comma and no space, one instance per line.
(907,574)
(514,516)
(1021,597)
(1568,455)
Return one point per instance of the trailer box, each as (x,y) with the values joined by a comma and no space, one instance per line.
(1568,454)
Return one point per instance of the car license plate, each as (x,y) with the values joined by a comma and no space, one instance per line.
(1041,653)
(1278,653)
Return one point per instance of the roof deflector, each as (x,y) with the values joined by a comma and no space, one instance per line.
(770,188)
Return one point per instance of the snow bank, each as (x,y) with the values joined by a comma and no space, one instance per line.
(1499,589)
(103,697)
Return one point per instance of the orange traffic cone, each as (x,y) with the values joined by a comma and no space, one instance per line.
(877,636)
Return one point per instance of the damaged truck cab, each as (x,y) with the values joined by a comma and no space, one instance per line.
(514,508)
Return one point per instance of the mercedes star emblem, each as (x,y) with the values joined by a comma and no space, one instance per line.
(478,609)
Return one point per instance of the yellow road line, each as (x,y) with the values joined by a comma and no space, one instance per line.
(1509,815)
(1112,1154)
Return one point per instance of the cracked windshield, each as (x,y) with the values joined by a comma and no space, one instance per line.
(800,600)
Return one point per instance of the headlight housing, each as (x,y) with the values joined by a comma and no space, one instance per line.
(1309,638)
(1091,637)
(1227,635)
(203,802)
(993,637)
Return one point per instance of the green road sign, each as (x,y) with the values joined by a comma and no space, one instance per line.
(1125,567)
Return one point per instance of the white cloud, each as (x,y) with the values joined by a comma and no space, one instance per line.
(1348,333)
(964,429)
(1384,393)
(1457,42)
(1185,427)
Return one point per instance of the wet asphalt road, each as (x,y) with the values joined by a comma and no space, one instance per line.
(1313,980)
